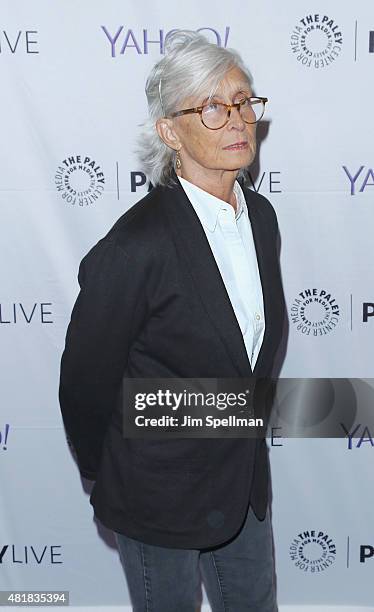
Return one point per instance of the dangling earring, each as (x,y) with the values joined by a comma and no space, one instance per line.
(178,163)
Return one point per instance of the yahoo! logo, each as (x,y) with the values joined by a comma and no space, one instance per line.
(359,179)
(123,40)
(4,436)
(362,433)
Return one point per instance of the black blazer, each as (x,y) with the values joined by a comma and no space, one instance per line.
(153,304)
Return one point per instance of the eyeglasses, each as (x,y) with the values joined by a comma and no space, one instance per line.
(215,115)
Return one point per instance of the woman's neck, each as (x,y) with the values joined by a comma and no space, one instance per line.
(218,183)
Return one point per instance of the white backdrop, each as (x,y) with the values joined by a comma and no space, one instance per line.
(72,97)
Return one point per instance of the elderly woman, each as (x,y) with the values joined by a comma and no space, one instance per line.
(186,284)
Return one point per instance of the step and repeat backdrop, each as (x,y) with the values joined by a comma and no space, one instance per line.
(72,78)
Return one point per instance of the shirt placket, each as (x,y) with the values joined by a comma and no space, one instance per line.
(257,307)
(241,272)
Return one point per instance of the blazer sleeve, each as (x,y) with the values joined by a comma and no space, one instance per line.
(109,312)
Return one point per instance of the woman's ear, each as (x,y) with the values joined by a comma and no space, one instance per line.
(166,132)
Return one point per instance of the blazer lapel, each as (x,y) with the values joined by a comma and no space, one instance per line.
(190,235)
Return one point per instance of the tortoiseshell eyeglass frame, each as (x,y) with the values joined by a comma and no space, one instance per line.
(199,109)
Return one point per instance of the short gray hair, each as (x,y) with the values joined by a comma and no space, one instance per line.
(191,64)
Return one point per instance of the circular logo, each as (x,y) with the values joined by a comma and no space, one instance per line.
(315,312)
(316,41)
(80,180)
(313,551)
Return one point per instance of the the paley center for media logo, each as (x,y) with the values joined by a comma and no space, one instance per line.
(312,551)
(80,180)
(316,40)
(315,312)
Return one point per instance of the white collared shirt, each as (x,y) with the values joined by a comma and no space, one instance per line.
(230,237)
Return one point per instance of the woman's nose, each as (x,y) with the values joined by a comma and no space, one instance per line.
(236,119)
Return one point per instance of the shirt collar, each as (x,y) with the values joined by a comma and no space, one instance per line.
(208,206)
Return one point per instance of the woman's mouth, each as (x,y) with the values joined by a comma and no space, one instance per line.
(237,146)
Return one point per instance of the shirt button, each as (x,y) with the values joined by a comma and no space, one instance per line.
(258,317)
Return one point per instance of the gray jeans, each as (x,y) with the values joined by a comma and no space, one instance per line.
(238,576)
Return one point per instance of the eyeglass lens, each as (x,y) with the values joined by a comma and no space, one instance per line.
(214,115)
